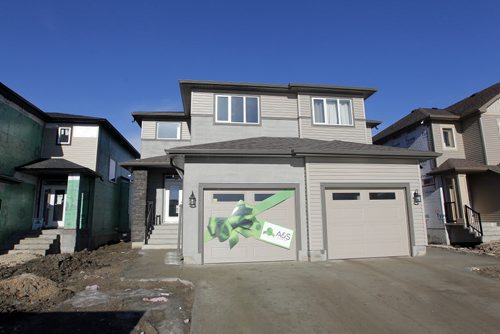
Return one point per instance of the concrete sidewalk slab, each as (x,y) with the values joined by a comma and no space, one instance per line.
(437,293)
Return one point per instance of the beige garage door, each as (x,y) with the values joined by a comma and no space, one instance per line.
(366,223)
(219,209)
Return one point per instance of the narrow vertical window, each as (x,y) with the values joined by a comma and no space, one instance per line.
(112,170)
(448,138)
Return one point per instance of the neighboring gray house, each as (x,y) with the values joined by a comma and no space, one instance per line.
(60,177)
(462,186)
(262,172)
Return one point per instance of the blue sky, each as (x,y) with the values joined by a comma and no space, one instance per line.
(109,58)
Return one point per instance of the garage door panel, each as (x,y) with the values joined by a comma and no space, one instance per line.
(373,224)
(248,249)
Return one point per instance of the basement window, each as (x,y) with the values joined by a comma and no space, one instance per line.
(64,135)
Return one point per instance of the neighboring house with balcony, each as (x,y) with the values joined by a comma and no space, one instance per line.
(264,172)
(462,186)
(60,173)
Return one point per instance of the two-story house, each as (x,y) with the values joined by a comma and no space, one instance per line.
(264,172)
(60,174)
(462,186)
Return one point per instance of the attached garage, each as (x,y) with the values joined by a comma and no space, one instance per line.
(224,207)
(366,222)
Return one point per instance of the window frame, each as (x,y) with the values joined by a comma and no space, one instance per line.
(337,99)
(58,135)
(454,137)
(179,131)
(229,111)
(110,179)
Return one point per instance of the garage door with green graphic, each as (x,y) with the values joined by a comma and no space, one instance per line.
(249,226)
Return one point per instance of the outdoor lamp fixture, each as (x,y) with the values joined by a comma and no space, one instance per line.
(192,200)
(417,198)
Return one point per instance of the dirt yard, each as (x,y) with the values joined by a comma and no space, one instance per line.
(86,293)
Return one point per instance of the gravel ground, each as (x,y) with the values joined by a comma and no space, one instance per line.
(86,293)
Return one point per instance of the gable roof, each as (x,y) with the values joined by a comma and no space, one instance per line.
(17,99)
(287,146)
(454,112)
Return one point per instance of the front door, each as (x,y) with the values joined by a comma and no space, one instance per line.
(52,206)
(173,197)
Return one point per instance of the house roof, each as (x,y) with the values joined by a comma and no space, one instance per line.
(15,98)
(453,166)
(55,166)
(139,116)
(286,146)
(158,161)
(79,119)
(187,86)
(454,112)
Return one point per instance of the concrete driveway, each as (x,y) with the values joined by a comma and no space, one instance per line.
(437,293)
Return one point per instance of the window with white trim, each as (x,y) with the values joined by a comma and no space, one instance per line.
(64,135)
(237,109)
(112,170)
(168,130)
(332,111)
(448,138)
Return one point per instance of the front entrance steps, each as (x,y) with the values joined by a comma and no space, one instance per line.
(164,236)
(39,242)
(491,231)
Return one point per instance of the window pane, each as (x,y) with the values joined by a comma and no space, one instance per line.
(382,196)
(228,197)
(252,110)
(331,110)
(222,108)
(236,109)
(448,138)
(168,130)
(173,201)
(112,170)
(319,113)
(261,197)
(345,114)
(345,196)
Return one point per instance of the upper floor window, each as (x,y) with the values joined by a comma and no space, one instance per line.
(237,109)
(170,131)
(64,135)
(331,111)
(448,138)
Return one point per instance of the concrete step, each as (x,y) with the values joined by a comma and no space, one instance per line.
(162,242)
(52,231)
(28,251)
(148,246)
(32,246)
(491,225)
(43,236)
(36,241)
(163,232)
(488,238)
(166,228)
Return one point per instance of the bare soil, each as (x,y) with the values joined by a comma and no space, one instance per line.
(86,293)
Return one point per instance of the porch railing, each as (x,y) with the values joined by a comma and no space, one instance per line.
(473,220)
(149,221)
(450,211)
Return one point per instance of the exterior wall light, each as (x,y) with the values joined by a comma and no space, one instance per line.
(192,200)
(417,198)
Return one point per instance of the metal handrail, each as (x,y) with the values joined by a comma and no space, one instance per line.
(473,220)
(450,212)
(149,224)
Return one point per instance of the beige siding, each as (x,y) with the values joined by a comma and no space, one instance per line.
(324,171)
(202,103)
(148,130)
(356,133)
(185,133)
(437,135)
(282,106)
(82,151)
(473,145)
(491,132)
(494,108)
(369,136)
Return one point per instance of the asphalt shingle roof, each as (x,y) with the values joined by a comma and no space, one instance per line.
(55,165)
(463,166)
(297,146)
